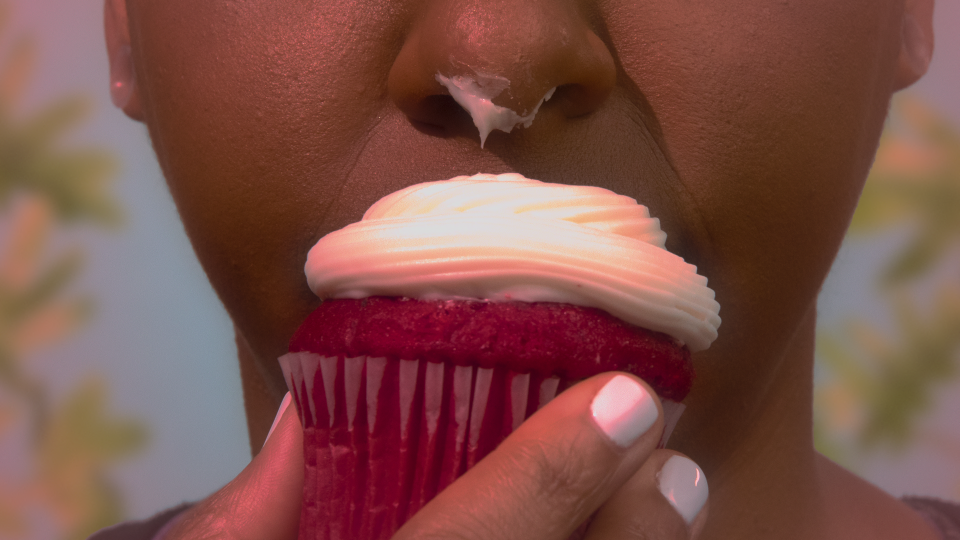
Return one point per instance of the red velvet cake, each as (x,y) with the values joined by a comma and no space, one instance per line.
(544,338)
(454,311)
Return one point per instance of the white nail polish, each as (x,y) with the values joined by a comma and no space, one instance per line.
(283,407)
(624,410)
(684,485)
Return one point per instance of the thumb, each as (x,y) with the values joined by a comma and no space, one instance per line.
(263,501)
(551,474)
(666,499)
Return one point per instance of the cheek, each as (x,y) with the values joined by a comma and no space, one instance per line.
(255,117)
(262,92)
(770,114)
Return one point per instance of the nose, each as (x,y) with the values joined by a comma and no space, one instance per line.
(513,53)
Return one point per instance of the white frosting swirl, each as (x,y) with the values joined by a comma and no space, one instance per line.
(506,237)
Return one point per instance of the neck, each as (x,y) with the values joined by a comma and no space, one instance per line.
(768,486)
(774,484)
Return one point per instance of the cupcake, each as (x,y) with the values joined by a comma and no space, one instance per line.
(452,312)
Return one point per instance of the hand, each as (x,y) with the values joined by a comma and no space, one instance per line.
(590,452)
(582,455)
(263,501)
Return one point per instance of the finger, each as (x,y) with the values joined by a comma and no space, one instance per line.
(554,471)
(665,500)
(263,501)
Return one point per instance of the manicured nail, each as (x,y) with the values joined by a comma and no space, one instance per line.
(624,410)
(276,420)
(684,485)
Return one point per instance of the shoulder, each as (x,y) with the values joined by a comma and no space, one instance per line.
(857,509)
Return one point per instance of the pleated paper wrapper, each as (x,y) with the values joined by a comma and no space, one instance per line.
(382,437)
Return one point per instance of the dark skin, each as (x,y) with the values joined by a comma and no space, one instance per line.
(747,127)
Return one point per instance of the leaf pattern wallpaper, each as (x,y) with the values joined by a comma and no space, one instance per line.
(46,188)
(877,380)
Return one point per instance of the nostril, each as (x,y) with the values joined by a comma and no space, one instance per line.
(496,75)
(476,93)
(439,115)
(436,110)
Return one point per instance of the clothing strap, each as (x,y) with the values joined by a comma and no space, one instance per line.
(944,516)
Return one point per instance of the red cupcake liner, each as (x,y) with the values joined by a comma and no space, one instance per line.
(382,437)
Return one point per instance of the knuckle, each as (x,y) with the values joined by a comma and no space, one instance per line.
(568,469)
(460,523)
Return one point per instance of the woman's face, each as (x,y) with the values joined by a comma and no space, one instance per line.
(746,126)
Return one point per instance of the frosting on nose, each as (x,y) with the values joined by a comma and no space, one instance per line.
(499,60)
(476,96)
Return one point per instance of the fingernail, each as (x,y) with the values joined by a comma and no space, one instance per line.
(276,420)
(624,410)
(684,485)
